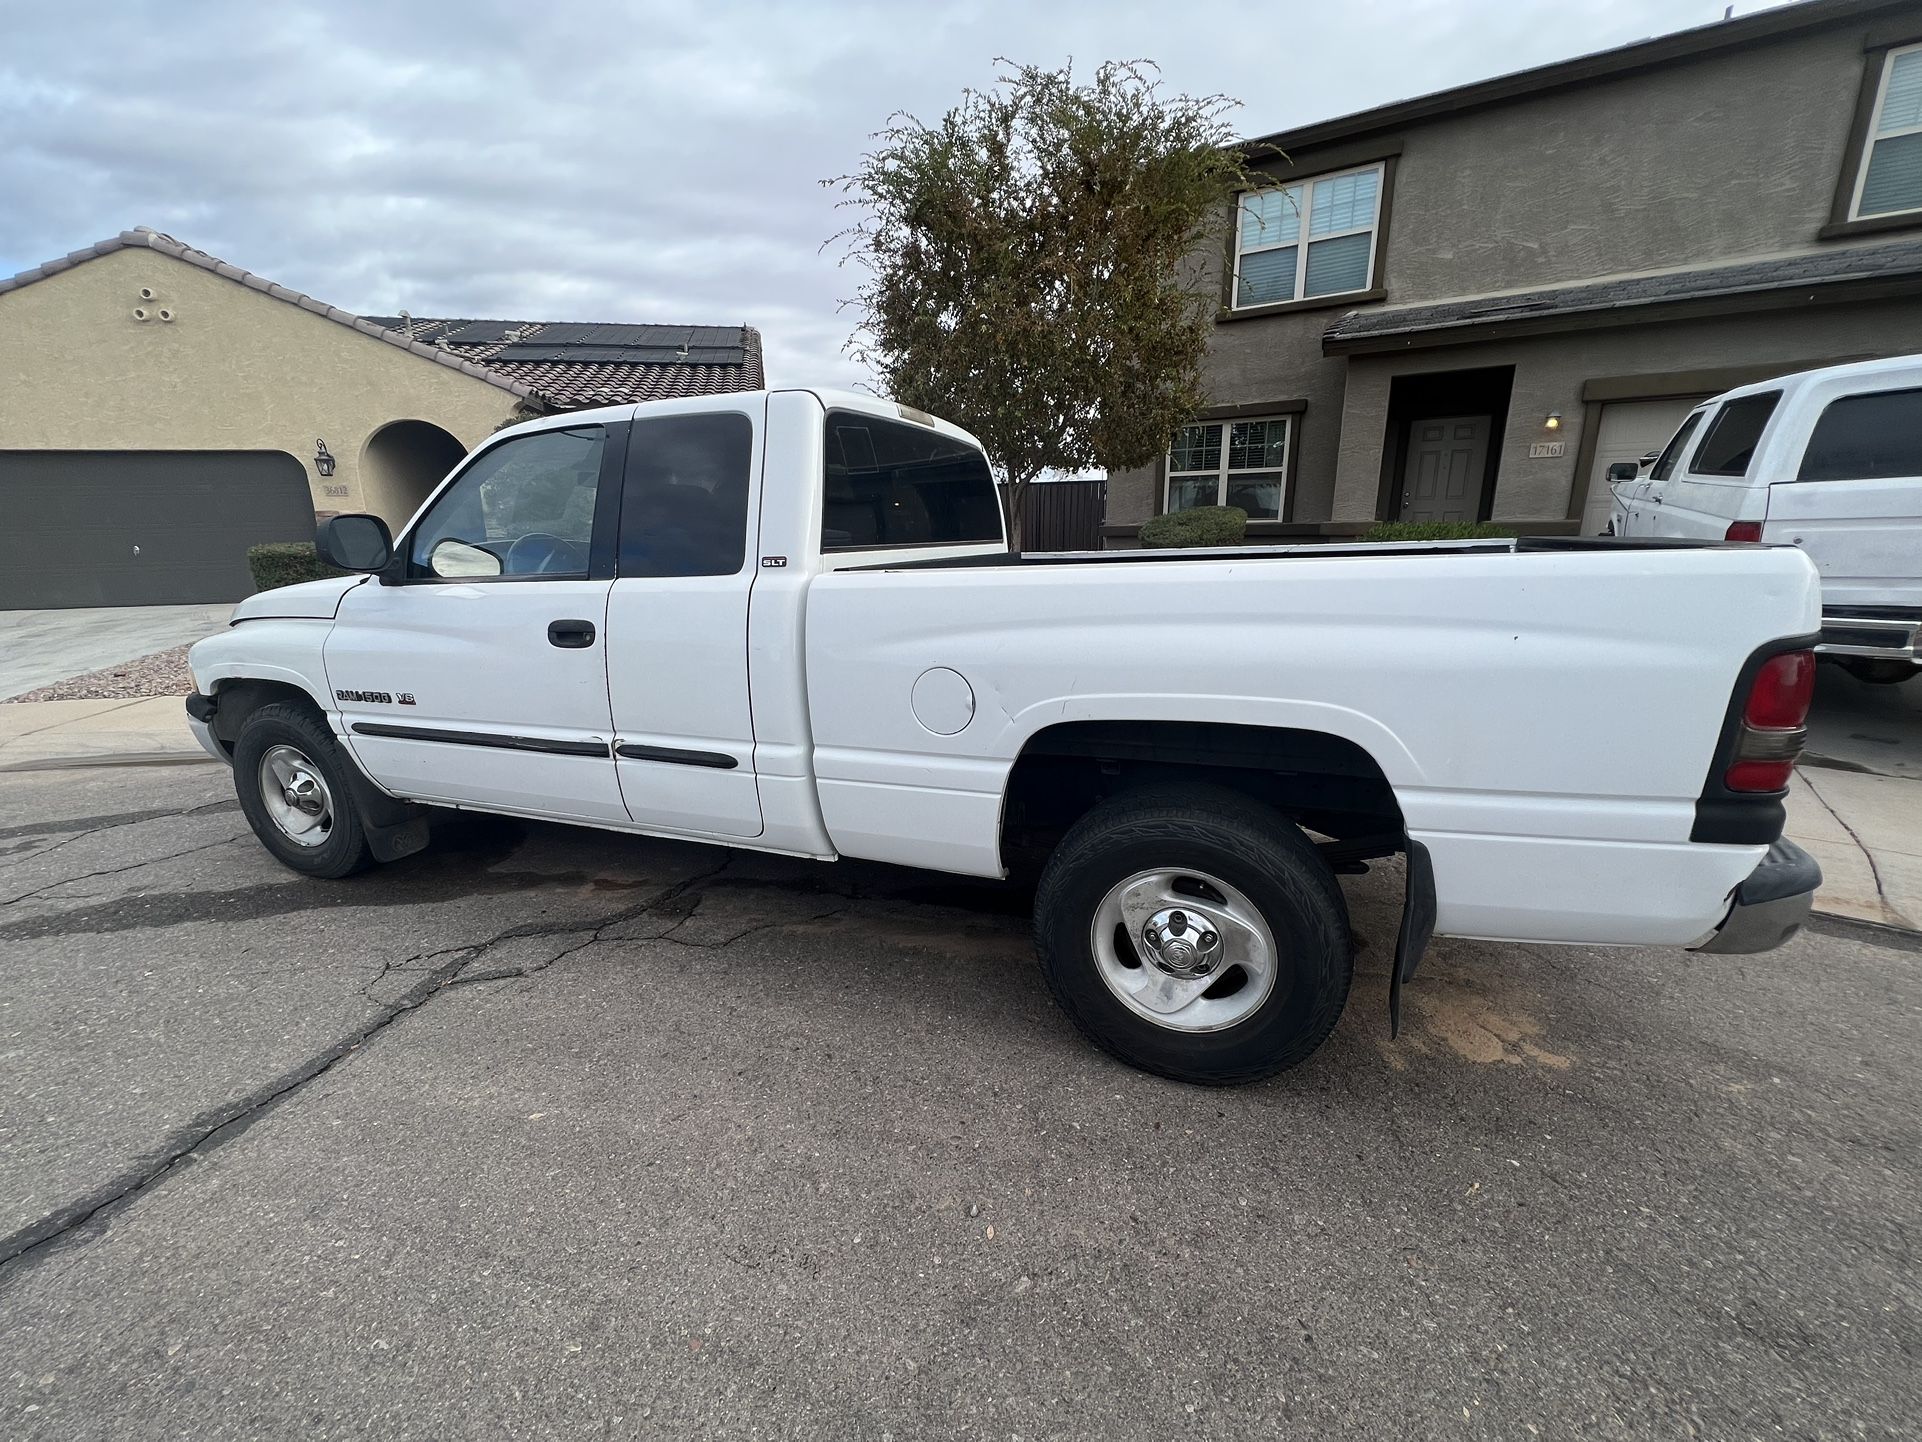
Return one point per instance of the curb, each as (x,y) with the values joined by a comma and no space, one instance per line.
(124,758)
(1879,933)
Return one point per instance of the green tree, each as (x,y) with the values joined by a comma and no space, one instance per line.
(1035,264)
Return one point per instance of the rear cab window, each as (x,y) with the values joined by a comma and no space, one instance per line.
(1728,447)
(889,484)
(1866,438)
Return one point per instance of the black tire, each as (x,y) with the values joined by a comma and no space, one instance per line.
(1252,848)
(286,723)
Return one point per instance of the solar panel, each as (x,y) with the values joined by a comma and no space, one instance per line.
(587,342)
(542,348)
(479,332)
(539,350)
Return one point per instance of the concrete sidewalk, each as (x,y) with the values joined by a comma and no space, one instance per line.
(1865,830)
(40,735)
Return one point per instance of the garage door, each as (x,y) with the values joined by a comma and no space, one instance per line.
(1629,430)
(125,528)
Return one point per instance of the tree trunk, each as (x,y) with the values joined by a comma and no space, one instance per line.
(1014,505)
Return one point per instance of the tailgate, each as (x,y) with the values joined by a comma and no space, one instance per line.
(1865,537)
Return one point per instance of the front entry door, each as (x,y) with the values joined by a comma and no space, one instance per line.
(1446,461)
(479,675)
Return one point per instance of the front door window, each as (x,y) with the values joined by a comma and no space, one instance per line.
(524,508)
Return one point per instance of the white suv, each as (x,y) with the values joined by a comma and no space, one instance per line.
(1829,460)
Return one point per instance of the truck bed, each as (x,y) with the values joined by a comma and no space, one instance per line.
(1547,711)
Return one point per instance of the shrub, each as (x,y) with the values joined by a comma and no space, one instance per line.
(1200,526)
(287,563)
(1439,531)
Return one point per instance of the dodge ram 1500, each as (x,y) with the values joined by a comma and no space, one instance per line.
(789,621)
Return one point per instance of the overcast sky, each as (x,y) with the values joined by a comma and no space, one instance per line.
(652,162)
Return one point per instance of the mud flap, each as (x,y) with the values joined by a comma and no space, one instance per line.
(394,828)
(1417,926)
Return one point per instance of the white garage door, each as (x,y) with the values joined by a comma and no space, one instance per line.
(1628,431)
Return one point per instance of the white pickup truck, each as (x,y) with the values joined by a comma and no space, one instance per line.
(789,621)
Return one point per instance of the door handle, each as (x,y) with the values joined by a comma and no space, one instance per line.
(574,635)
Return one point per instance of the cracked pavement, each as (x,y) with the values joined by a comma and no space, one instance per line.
(558,1133)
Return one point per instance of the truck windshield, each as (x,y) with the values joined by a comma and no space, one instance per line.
(892,484)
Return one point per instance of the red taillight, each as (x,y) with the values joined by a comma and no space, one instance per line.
(1772,728)
(1782,691)
(1744,531)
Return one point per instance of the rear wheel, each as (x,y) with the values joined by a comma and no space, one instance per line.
(293,788)
(1196,934)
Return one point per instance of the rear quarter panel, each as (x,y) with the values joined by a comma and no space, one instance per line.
(1562,697)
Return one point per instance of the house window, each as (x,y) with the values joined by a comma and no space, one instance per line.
(1276,261)
(1230,463)
(1891,178)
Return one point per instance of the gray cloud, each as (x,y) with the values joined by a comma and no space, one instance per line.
(652,162)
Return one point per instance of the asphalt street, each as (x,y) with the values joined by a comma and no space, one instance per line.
(550,1133)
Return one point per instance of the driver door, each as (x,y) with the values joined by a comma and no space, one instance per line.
(477,673)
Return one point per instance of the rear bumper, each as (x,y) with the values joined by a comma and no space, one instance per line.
(1878,633)
(1771,905)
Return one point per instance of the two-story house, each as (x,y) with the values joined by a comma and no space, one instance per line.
(1465,306)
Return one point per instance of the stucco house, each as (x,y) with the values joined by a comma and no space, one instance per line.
(1465,306)
(161,410)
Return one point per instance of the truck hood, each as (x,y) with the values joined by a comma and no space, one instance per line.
(315,600)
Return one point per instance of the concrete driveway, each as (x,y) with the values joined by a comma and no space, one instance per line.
(552,1133)
(42,647)
(1856,726)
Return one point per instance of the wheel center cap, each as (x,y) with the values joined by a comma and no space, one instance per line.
(1181,943)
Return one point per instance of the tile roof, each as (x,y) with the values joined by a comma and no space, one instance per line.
(576,364)
(561,365)
(167,245)
(1629,296)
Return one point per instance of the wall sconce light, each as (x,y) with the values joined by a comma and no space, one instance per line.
(1554,421)
(323,458)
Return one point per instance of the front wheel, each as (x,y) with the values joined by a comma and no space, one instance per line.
(293,790)
(1196,934)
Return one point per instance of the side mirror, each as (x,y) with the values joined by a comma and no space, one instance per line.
(355,543)
(457,561)
(1623,471)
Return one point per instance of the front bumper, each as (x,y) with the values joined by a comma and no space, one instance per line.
(1888,633)
(1771,905)
(200,721)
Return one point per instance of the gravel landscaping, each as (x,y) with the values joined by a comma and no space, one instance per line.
(164,673)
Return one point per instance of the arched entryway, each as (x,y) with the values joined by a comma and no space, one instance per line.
(402,464)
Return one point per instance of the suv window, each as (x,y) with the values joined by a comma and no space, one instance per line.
(1665,463)
(523,508)
(893,484)
(1729,445)
(684,503)
(1866,438)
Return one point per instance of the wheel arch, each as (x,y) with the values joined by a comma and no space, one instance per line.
(1323,780)
(238,697)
